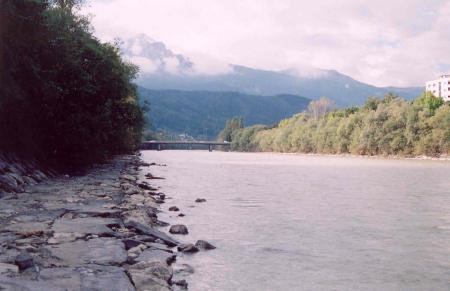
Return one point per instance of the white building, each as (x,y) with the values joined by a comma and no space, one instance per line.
(440,87)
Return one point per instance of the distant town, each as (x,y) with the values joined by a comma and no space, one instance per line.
(440,87)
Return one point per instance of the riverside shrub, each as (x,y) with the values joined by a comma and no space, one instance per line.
(393,126)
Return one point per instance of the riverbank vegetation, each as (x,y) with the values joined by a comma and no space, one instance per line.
(390,126)
(65,97)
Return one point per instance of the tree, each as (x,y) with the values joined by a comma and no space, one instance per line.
(67,98)
(320,107)
(430,101)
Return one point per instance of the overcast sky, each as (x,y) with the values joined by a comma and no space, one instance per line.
(398,43)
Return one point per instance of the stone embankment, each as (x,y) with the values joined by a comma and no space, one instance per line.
(97,231)
(16,173)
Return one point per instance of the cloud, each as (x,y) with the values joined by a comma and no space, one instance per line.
(385,42)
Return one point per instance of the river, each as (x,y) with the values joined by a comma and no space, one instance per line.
(302,222)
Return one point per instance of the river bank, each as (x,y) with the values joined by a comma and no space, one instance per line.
(94,231)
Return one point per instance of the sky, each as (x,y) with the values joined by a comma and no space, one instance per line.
(382,43)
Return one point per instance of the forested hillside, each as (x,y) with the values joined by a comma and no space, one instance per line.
(201,113)
(65,97)
(390,126)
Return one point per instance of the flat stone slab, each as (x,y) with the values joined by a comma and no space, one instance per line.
(8,268)
(100,251)
(151,254)
(10,284)
(87,225)
(90,277)
(142,229)
(28,227)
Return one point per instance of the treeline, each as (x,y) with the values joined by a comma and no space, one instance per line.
(390,126)
(65,97)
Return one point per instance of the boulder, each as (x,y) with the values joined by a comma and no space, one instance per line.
(181,215)
(162,223)
(204,245)
(24,260)
(145,186)
(182,283)
(174,208)
(187,248)
(200,200)
(178,229)
(130,243)
(151,275)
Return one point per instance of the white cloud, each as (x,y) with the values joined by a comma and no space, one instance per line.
(384,42)
(145,65)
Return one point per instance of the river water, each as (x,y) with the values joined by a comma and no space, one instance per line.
(302,222)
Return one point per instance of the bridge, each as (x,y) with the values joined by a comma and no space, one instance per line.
(158,143)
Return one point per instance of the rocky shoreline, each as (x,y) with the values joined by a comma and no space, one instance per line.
(97,231)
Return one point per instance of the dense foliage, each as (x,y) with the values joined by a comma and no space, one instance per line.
(202,114)
(392,126)
(65,97)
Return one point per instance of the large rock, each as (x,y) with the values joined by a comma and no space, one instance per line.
(202,244)
(151,275)
(142,229)
(24,260)
(187,248)
(178,229)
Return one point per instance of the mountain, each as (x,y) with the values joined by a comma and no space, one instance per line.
(205,112)
(162,69)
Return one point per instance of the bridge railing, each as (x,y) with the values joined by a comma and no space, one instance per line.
(157,144)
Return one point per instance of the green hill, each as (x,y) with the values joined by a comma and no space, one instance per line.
(202,112)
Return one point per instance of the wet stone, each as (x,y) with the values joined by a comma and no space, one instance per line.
(151,275)
(182,283)
(178,229)
(187,248)
(174,208)
(24,260)
(202,244)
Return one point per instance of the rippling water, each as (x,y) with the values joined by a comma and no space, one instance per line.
(298,222)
